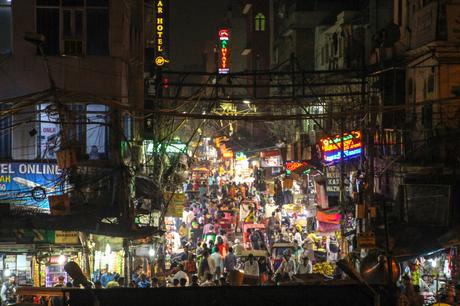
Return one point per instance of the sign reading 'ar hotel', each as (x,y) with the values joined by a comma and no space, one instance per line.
(160,19)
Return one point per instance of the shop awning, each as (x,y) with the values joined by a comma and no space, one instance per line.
(409,242)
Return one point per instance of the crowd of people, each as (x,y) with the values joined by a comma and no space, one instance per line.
(216,237)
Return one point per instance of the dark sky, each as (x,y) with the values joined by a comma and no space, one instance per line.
(193,22)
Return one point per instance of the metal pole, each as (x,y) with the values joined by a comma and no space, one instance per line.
(388,255)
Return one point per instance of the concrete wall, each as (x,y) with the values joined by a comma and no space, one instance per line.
(24,71)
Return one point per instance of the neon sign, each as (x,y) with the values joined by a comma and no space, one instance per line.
(224,36)
(352,146)
(160,38)
(294,165)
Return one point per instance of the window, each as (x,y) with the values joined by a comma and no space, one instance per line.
(5,26)
(5,134)
(96,131)
(128,127)
(430,83)
(260,22)
(74,27)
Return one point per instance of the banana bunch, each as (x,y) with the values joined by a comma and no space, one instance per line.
(324,268)
(416,276)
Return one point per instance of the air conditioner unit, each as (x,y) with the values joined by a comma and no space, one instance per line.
(73,47)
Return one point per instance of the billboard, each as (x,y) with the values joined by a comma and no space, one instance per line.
(29,184)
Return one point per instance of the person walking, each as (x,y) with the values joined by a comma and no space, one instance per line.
(230,261)
(219,264)
(8,291)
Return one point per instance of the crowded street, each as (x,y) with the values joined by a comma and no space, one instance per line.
(230,152)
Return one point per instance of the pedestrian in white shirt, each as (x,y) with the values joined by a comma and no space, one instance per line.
(305,266)
(181,274)
(219,263)
(251,267)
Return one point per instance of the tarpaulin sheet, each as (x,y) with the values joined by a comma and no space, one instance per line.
(328,216)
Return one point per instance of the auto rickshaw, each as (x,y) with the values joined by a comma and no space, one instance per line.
(252,226)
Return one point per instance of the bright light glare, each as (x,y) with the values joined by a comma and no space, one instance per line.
(246,102)
(62,259)
(151,252)
(108,249)
(7,273)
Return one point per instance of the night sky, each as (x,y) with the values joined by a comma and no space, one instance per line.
(192,24)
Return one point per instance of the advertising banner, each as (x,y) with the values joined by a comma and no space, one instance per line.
(29,184)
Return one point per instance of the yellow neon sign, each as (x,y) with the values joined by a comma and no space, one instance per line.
(160,59)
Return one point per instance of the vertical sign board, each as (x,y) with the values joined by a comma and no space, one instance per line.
(161,31)
(224,54)
(29,184)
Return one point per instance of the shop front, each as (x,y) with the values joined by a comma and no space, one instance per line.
(432,274)
(37,257)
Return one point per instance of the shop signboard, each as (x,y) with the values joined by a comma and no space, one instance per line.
(271,158)
(425,25)
(366,241)
(176,204)
(332,147)
(39,236)
(161,31)
(62,237)
(296,166)
(333,182)
(29,184)
(173,148)
(224,54)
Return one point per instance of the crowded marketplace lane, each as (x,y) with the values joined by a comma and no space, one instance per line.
(231,224)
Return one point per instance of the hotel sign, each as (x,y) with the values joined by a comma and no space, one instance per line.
(161,25)
(224,56)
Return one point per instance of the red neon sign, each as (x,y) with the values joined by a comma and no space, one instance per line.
(224,36)
(294,165)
